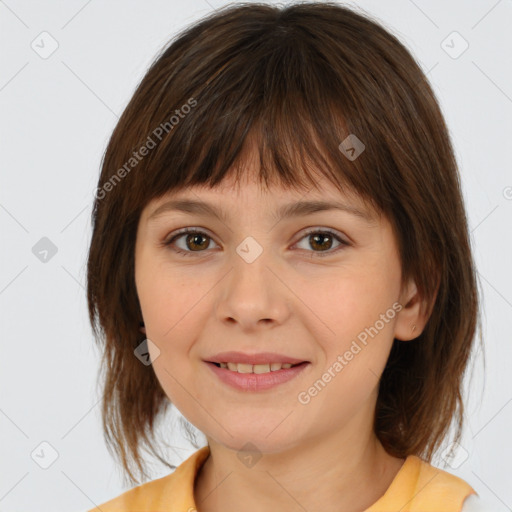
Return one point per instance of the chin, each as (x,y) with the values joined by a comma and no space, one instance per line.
(252,440)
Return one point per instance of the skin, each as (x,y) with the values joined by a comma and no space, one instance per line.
(322,455)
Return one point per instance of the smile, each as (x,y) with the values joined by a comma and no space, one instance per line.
(255,368)
(259,377)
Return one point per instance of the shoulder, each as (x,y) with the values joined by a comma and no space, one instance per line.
(427,474)
(432,488)
(134,498)
(171,492)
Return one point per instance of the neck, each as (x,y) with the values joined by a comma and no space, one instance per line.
(348,471)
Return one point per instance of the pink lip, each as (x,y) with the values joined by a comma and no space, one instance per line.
(256,381)
(261,358)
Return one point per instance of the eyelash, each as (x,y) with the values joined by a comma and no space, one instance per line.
(320,254)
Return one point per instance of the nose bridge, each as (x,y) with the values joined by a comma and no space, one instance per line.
(252,291)
(251,272)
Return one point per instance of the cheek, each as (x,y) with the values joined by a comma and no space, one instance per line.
(169,297)
(347,300)
(353,317)
(174,313)
(176,306)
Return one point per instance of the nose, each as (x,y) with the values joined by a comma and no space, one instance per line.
(252,294)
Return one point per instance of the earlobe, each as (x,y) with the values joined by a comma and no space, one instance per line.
(412,317)
(142,329)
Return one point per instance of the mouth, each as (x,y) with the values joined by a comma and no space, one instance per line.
(256,378)
(256,368)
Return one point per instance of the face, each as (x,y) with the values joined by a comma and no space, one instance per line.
(321,287)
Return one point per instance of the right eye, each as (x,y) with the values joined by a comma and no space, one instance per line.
(191,237)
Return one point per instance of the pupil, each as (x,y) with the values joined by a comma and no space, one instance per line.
(322,239)
(196,237)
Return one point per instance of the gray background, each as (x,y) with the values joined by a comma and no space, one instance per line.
(57,112)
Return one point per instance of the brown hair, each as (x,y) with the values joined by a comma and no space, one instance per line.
(298,80)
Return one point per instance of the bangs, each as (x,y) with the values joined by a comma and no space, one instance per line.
(279,99)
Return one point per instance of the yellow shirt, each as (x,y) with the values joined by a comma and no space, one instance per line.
(417,487)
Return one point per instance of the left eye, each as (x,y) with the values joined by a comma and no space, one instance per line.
(321,239)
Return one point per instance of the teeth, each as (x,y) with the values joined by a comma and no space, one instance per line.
(256,368)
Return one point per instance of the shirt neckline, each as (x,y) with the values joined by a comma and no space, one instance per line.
(404,479)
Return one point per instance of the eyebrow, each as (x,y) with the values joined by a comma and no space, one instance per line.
(297,209)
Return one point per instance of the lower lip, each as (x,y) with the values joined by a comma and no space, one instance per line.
(256,381)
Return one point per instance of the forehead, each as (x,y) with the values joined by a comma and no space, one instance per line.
(231,198)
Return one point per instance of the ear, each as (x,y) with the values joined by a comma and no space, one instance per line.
(142,329)
(415,312)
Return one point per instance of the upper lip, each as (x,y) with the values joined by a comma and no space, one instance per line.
(260,358)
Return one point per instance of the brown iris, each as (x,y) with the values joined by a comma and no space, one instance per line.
(194,237)
(320,239)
